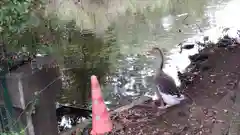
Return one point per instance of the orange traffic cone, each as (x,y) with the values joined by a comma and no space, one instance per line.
(101,122)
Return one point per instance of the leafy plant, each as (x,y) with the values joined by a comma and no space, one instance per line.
(15,18)
(14,133)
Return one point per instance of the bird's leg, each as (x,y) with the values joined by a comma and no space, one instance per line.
(162,106)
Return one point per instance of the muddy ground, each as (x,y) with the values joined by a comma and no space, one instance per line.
(210,110)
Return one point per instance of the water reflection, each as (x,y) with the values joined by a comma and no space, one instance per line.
(165,31)
(130,79)
(153,28)
(84,55)
(126,74)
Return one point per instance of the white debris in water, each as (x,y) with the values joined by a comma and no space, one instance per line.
(107,102)
(130,59)
(65,122)
(184,14)
(147,72)
(130,84)
(131,68)
(82,119)
(167,22)
(130,93)
(144,83)
(39,55)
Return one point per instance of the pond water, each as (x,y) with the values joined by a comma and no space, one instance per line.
(124,71)
(117,56)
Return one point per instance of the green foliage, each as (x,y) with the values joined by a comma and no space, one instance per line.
(16,17)
(12,133)
(14,14)
(22,132)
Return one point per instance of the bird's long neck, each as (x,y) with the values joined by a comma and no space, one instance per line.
(161,56)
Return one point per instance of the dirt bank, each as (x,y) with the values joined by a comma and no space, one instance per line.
(212,90)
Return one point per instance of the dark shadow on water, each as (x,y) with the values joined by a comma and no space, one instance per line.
(85,55)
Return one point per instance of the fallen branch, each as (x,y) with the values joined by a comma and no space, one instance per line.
(129,106)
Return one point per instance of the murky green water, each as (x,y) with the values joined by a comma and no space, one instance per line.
(117,56)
